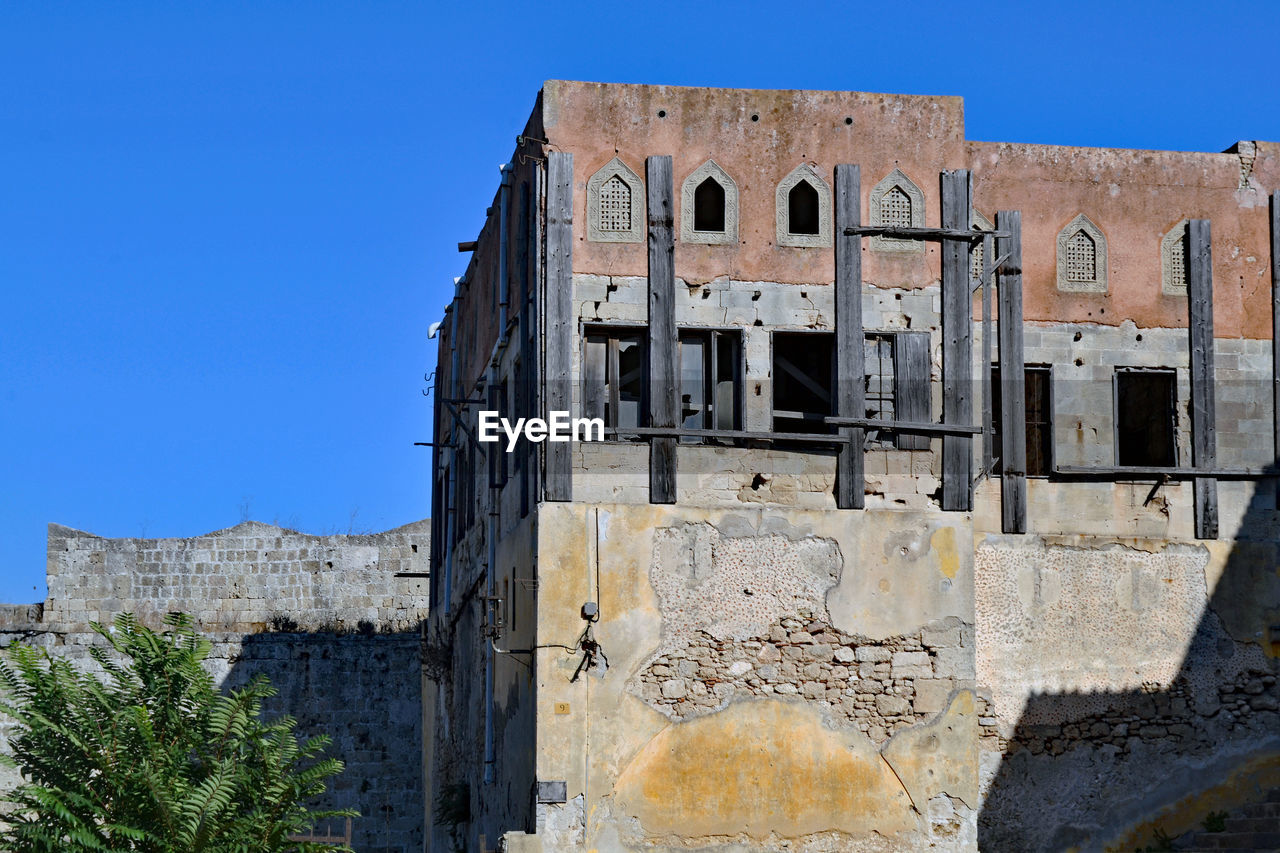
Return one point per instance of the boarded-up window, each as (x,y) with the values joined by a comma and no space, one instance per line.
(1145,429)
(614,367)
(911,385)
(1038,397)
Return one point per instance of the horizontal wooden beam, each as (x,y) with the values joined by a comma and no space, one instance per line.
(678,432)
(1114,472)
(905,233)
(907,426)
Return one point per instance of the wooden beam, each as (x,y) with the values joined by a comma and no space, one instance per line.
(1275,333)
(1127,472)
(752,435)
(850,361)
(957,354)
(1204,441)
(988,435)
(910,233)
(664,356)
(560,325)
(1013,393)
(919,427)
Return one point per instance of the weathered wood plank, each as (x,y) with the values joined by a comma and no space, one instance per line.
(1204,441)
(1013,394)
(664,356)
(911,233)
(850,361)
(988,436)
(560,325)
(911,386)
(957,368)
(1275,332)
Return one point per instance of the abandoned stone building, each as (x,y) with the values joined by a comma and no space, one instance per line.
(936,507)
(333,621)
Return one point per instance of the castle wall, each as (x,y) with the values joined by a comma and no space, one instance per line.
(322,616)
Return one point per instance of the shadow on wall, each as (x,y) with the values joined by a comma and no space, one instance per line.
(1121,770)
(364,690)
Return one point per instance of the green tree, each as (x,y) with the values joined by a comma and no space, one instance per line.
(150,756)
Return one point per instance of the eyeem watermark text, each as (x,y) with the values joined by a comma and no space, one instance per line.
(559,428)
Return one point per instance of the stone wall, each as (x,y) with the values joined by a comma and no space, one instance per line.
(323,617)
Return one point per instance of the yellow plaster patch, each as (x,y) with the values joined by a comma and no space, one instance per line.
(943,542)
(762,768)
(941,757)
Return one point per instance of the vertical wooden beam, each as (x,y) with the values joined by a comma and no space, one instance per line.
(850,366)
(1013,393)
(664,401)
(1204,441)
(988,436)
(560,326)
(957,343)
(1275,333)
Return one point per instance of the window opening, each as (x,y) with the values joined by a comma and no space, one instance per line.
(879,386)
(710,380)
(615,205)
(1038,397)
(615,365)
(803,374)
(1082,258)
(802,209)
(1145,428)
(708,206)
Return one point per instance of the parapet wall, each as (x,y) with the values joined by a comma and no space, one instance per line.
(324,617)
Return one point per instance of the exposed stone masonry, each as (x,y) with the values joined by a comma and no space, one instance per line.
(879,687)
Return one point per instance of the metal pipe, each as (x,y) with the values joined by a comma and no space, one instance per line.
(504,203)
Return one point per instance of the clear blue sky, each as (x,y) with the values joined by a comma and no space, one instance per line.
(224,227)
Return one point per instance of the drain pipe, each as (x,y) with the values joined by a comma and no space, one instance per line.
(451,516)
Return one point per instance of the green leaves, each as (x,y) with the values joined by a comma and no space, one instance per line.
(149,756)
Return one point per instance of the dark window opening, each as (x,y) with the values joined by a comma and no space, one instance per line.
(878,389)
(1144,401)
(708,206)
(710,380)
(615,368)
(1038,396)
(803,377)
(802,209)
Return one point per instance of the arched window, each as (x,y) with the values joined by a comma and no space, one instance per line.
(803,204)
(709,206)
(1173,260)
(615,205)
(802,209)
(897,200)
(979,223)
(1082,257)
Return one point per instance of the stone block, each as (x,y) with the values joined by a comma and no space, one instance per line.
(892,706)
(912,665)
(941,637)
(931,694)
(873,653)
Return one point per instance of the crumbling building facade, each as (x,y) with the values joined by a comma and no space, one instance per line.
(936,508)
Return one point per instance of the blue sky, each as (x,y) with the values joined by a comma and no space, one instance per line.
(225,227)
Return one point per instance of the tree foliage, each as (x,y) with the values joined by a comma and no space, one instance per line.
(150,756)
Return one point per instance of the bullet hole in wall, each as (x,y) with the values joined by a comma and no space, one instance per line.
(1079,362)
(662,113)
(848,120)
(756,482)
(755,116)
(1138,338)
(1077,337)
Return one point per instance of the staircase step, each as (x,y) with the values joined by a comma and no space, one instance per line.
(1258,810)
(1253,824)
(1238,840)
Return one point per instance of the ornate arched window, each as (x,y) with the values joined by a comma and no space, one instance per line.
(803,205)
(1082,257)
(897,200)
(979,223)
(1173,260)
(615,205)
(709,206)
